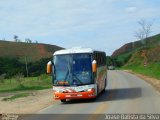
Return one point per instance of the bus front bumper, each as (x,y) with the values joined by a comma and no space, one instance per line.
(75,95)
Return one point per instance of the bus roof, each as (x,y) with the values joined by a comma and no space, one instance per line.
(74,50)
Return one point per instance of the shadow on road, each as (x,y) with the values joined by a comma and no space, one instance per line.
(112,95)
(120,94)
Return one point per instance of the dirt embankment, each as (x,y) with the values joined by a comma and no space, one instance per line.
(27,105)
(154,82)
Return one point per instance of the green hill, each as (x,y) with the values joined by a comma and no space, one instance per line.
(139,59)
(33,51)
(124,53)
(133,46)
(28,59)
(152,66)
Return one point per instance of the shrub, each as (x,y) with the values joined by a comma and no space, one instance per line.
(19,78)
(2,77)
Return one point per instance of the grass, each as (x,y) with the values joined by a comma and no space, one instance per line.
(124,57)
(20,95)
(136,63)
(152,69)
(31,83)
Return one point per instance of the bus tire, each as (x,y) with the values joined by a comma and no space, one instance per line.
(93,99)
(64,100)
(97,91)
(105,84)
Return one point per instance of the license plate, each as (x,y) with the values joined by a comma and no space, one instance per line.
(71,95)
(74,95)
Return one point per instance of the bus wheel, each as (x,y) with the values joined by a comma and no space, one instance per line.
(105,83)
(103,90)
(97,90)
(64,100)
(104,86)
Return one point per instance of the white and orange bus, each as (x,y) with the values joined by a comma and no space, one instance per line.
(78,73)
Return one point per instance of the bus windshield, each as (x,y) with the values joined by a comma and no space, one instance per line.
(73,69)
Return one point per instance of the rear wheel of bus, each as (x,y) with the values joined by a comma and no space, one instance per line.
(105,86)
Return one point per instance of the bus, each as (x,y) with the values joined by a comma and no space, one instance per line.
(78,73)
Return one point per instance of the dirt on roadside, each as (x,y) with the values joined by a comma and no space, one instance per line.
(154,82)
(36,101)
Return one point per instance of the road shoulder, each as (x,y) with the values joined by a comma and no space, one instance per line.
(152,81)
(28,105)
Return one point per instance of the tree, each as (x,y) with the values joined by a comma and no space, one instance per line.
(36,41)
(19,78)
(27,40)
(143,32)
(26,65)
(16,38)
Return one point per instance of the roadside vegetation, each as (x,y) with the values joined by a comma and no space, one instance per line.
(14,77)
(9,67)
(21,83)
(23,65)
(20,95)
(152,70)
(148,65)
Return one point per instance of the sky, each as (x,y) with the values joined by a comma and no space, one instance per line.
(100,24)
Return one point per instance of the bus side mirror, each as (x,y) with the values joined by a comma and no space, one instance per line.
(94,66)
(49,67)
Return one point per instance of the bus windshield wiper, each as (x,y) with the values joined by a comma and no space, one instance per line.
(78,79)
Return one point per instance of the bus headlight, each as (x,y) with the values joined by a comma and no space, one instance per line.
(57,91)
(91,89)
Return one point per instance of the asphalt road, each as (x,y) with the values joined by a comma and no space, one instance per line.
(125,93)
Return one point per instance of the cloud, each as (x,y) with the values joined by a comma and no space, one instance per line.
(131,9)
(101,24)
